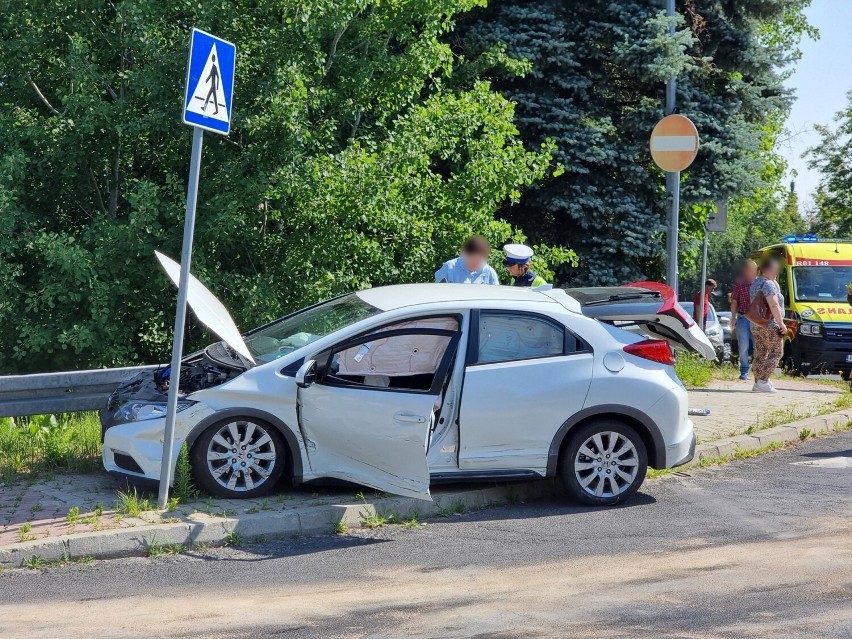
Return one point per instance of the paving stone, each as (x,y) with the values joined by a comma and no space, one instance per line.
(734,408)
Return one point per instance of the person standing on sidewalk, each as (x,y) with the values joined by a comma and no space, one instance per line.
(740,301)
(701,309)
(768,340)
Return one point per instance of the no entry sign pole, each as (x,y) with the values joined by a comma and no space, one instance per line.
(672,179)
(208,98)
(673,184)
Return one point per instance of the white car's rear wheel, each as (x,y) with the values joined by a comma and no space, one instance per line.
(238,458)
(604,463)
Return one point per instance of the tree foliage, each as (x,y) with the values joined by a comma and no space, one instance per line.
(352,162)
(596,86)
(756,219)
(832,157)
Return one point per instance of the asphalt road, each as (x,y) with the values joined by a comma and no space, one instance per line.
(758,548)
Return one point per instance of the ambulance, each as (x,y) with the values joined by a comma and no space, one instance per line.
(815,280)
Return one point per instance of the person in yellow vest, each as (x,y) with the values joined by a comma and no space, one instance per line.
(517,262)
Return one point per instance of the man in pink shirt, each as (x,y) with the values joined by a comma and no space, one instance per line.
(701,317)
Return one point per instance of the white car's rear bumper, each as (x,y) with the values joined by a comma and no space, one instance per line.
(681,452)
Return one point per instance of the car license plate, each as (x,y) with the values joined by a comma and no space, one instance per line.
(849,359)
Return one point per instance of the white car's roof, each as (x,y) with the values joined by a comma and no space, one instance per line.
(388,298)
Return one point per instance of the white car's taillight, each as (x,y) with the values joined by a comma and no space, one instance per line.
(656,350)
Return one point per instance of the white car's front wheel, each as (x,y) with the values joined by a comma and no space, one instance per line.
(604,463)
(238,458)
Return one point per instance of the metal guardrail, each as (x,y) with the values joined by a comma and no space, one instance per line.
(65,392)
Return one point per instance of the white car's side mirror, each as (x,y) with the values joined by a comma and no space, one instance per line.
(307,374)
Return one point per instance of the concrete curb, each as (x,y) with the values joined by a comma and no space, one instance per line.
(200,529)
(820,425)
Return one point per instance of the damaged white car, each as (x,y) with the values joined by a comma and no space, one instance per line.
(401,387)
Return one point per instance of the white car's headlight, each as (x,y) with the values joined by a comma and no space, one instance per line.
(712,331)
(139,411)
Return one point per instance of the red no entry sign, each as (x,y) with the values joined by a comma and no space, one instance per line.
(674,143)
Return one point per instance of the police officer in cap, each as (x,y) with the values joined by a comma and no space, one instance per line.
(517,262)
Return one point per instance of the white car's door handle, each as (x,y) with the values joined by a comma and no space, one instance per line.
(409,417)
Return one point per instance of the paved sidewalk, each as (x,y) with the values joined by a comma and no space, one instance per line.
(85,508)
(735,409)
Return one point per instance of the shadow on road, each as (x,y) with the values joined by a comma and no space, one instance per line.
(838,453)
(275,549)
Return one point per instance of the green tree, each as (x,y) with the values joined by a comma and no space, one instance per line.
(756,219)
(596,87)
(352,162)
(831,157)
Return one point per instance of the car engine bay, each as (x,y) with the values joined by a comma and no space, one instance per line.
(213,366)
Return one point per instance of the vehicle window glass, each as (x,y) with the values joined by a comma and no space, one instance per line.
(297,330)
(402,362)
(505,337)
(821,283)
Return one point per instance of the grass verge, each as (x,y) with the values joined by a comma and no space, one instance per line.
(696,372)
(132,504)
(36,563)
(704,462)
(156,549)
(30,446)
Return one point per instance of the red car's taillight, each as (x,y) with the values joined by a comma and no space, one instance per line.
(656,350)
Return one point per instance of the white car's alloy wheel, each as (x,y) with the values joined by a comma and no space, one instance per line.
(239,458)
(604,462)
(606,465)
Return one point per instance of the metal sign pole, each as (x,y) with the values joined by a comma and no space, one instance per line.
(672,179)
(180,317)
(703,279)
(673,182)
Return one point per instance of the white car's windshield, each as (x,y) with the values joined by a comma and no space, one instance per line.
(304,327)
(821,283)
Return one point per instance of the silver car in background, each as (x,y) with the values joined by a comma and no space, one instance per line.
(715,331)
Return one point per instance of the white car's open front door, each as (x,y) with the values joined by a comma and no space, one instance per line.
(368,416)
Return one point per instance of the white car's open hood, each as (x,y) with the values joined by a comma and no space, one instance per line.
(210,311)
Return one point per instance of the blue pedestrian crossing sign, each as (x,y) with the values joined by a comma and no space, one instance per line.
(209,83)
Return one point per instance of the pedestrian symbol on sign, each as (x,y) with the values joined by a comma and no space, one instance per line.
(210,83)
(208,96)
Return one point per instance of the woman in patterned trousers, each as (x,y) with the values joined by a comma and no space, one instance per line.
(768,340)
